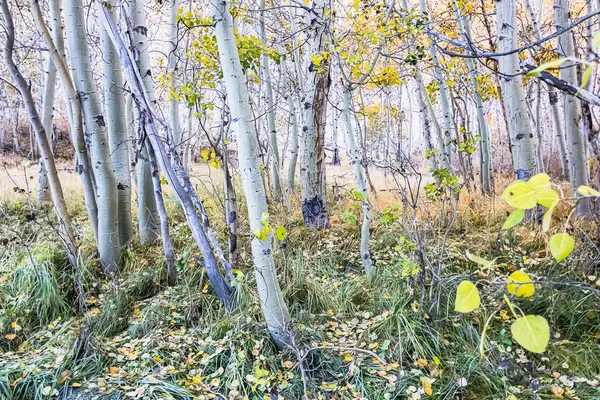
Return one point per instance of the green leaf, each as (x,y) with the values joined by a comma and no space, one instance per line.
(548,65)
(520,195)
(514,218)
(480,260)
(532,332)
(561,245)
(587,191)
(467,297)
(280,233)
(547,197)
(518,288)
(26,162)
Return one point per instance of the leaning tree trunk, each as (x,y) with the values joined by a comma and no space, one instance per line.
(49,92)
(553,100)
(95,124)
(485,168)
(271,298)
(519,124)
(576,144)
(148,218)
(270,107)
(173,72)
(118,134)
(56,192)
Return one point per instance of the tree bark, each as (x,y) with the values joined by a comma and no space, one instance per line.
(118,134)
(95,125)
(519,123)
(314,89)
(273,305)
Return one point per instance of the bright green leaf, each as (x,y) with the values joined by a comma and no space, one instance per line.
(532,332)
(467,297)
(561,245)
(480,260)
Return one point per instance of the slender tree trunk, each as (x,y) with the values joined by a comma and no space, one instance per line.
(118,134)
(576,145)
(519,123)
(314,89)
(173,72)
(270,107)
(553,100)
(74,112)
(231,211)
(56,192)
(271,298)
(49,92)
(148,218)
(95,124)
(291,178)
(164,218)
(355,159)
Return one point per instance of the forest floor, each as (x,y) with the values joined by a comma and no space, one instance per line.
(393,337)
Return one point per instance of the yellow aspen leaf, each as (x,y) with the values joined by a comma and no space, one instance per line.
(546,197)
(538,182)
(531,332)
(518,288)
(561,245)
(587,191)
(467,297)
(514,218)
(520,195)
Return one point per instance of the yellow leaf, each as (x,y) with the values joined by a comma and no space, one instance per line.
(561,245)
(538,182)
(545,66)
(546,197)
(480,260)
(531,332)
(520,195)
(587,191)
(157,359)
(467,297)
(547,219)
(520,277)
(428,391)
(10,336)
(280,233)
(514,218)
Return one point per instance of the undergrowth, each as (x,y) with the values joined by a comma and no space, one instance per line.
(391,337)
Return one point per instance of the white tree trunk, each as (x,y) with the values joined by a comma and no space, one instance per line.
(49,92)
(519,123)
(270,108)
(553,100)
(356,160)
(118,134)
(148,218)
(486,175)
(173,72)
(95,125)
(576,142)
(273,304)
(291,178)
